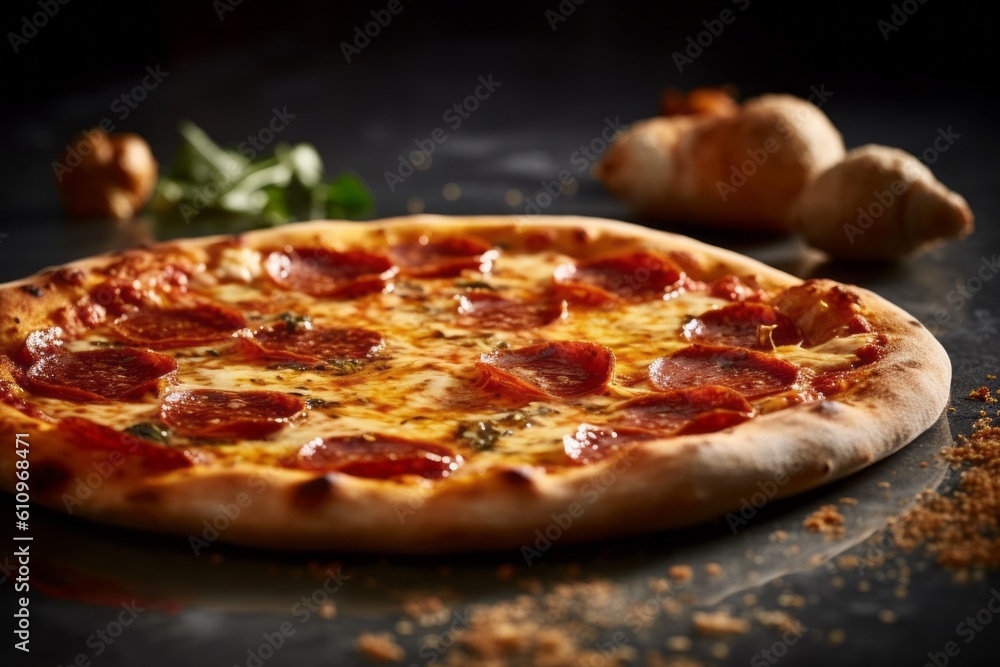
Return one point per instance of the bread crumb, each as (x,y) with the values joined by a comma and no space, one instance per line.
(379,647)
(836,636)
(779,620)
(719,650)
(887,616)
(679,643)
(826,520)
(792,600)
(778,536)
(713,569)
(405,628)
(327,610)
(884,485)
(981,394)
(680,573)
(719,623)
(848,501)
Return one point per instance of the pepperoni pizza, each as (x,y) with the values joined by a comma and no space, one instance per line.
(434,384)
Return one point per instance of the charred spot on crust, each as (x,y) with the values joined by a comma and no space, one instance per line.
(521,478)
(312,493)
(33,290)
(915,324)
(581,235)
(50,477)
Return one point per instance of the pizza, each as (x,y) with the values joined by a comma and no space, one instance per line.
(436,384)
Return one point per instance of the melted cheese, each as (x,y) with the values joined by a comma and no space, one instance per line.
(420,386)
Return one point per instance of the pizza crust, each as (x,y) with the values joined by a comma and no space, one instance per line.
(655,485)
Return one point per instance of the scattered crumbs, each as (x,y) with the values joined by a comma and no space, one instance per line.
(426,610)
(886,616)
(679,644)
(981,394)
(715,623)
(379,647)
(405,627)
(719,650)
(847,561)
(826,520)
(951,409)
(713,569)
(680,572)
(884,485)
(836,636)
(659,585)
(848,501)
(924,464)
(961,528)
(778,536)
(779,620)
(792,600)
(991,377)
(327,610)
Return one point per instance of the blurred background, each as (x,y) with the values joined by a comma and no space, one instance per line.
(889,72)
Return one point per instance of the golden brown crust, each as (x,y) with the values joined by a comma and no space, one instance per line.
(658,484)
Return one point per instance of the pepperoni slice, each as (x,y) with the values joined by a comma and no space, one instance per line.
(634,276)
(822,310)
(564,369)
(43,343)
(314,344)
(733,288)
(596,443)
(214,413)
(327,273)
(682,410)
(748,372)
(152,457)
(178,327)
(96,375)
(486,311)
(444,258)
(755,325)
(131,286)
(377,456)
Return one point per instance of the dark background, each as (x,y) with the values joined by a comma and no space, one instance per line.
(607,60)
